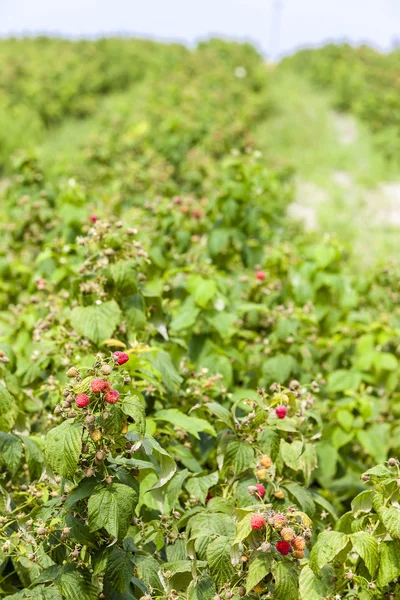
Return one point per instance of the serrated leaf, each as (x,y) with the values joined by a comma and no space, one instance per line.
(312,587)
(175,487)
(219,560)
(132,407)
(34,457)
(389,563)
(182,566)
(8,409)
(390,517)
(328,545)
(291,453)
(10,451)
(211,524)
(203,589)
(243,528)
(76,583)
(301,497)
(286,582)
(259,567)
(97,322)
(366,546)
(119,569)
(198,486)
(362,502)
(240,455)
(63,447)
(163,363)
(269,441)
(221,413)
(112,508)
(192,425)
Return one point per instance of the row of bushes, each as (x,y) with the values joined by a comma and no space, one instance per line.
(194,396)
(364,82)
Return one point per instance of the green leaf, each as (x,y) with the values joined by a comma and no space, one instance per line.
(34,457)
(124,276)
(279,368)
(286,582)
(301,497)
(259,567)
(219,560)
(132,407)
(148,569)
(8,410)
(311,587)
(203,290)
(186,317)
(119,569)
(203,589)
(163,363)
(112,508)
(389,563)
(211,524)
(10,451)
(327,547)
(192,425)
(63,448)
(182,566)
(362,503)
(291,453)
(269,441)
(342,380)
(240,455)
(198,486)
(390,517)
(76,583)
(97,322)
(175,487)
(243,528)
(222,413)
(366,546)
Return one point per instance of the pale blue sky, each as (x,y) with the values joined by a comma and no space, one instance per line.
(303,22)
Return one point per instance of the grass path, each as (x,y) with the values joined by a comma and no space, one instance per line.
(343,185)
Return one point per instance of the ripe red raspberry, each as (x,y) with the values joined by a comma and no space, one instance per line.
(99,385)
(257,521)
(81,400)
(299,543)
(260,489)
(260,275)
(283,547)
(281,411)
(93,218)
(121,357)
(112,397)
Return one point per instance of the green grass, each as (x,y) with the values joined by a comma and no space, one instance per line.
(303,131)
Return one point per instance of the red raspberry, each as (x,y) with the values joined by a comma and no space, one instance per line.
(260,489)
(81,400)
(260,275)
(93,218)
(112,397)
(107,387)
(281,411)
(299,543)
(257,521)
(196,213)
(99,385)
(283,547)
(121,357)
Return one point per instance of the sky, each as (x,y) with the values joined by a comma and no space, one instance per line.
(274,26)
